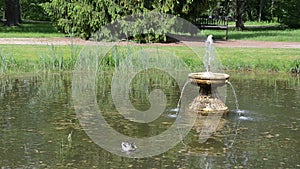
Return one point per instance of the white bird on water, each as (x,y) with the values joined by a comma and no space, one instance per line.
(128,147)
(70,136)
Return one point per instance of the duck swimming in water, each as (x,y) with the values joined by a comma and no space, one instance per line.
(128,147)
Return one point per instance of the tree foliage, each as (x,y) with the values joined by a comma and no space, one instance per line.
(241,11)
(290,13)
(22,9)
(32,10)
(84,17)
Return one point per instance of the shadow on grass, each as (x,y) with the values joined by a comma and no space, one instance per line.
(30,27)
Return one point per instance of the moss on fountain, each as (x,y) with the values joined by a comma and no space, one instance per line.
(204,104)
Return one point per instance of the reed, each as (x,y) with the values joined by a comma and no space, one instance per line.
(7,63)
(56,59)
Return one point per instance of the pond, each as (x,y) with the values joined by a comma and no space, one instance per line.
(39,127)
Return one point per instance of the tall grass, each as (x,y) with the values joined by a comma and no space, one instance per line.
(37,58)
(56,60)
(47,58)
(7,63)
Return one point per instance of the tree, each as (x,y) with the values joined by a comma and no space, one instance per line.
(81,17)
(32,10)
(290,12)
(84,17)
(12,12)
(239,14)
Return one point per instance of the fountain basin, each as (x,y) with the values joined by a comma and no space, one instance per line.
(208,78)
(205,104)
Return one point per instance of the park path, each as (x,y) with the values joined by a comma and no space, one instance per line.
(218,43)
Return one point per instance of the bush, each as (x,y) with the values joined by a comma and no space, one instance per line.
(291,13)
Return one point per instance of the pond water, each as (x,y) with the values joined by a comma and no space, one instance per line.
(39,127)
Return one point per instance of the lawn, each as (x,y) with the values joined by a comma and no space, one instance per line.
(286,35)
(47,30)
(260,31)
(245,59)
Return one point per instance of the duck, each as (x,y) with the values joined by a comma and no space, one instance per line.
(70,136)
(128,147)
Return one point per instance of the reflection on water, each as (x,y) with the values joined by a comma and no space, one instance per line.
(39,128)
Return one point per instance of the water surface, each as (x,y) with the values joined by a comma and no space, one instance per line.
(39,127)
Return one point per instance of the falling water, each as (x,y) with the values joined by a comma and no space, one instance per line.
(236,100)
(178,103)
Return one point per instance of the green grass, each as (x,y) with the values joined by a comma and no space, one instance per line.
(262,59)
(260,31)
(256,23)
(287,35)
(30,30)
(35,58)
(47,30)
(246,59)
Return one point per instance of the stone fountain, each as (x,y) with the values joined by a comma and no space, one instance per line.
(208,104)
(208,99)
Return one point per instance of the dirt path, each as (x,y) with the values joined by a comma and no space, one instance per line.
(229,43)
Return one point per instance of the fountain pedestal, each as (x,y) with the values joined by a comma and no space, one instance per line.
(208,100)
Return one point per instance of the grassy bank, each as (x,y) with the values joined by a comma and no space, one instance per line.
(263,31)
(36,58)
(248,59)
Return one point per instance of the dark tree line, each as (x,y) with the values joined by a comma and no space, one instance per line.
(13,11)
(83,17)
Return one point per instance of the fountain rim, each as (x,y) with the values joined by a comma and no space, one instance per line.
(203,76)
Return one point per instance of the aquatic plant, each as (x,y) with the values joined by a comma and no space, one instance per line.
(295,67)
(56,60)
(7,63)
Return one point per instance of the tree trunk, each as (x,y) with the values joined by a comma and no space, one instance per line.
(239,6)
(12,13)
